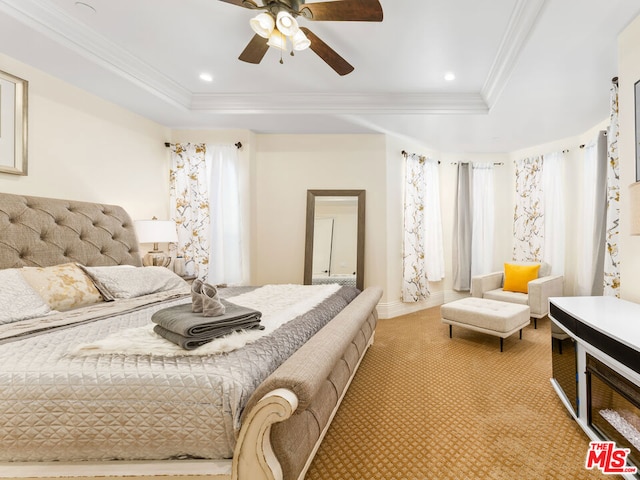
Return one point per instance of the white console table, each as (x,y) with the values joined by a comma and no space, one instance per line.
(606,329)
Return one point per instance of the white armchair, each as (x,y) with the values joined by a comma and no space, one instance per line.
(545,286)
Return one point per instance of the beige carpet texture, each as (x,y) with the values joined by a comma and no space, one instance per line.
(424,406)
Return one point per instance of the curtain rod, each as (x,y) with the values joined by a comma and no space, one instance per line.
(405,155)
(603,131)
(238,145)
(497,164)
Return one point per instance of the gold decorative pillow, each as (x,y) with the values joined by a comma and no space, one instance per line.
(62,287)
(517,277)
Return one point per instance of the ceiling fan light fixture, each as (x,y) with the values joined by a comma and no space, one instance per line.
(287,25)
(277,40)
(300,41)
(263,24)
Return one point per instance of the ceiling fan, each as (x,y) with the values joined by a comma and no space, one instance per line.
(277,23)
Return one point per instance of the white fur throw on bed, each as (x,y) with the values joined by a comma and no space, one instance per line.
(278,304)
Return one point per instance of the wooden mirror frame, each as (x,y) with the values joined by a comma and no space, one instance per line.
(308,247)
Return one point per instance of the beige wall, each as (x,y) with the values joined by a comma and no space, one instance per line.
(629,73)
(84,148)
(286,166)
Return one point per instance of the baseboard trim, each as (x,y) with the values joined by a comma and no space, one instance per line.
(397,307)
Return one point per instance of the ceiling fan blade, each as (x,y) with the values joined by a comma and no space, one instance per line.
(255,50)
(346,10)
(242,3)
(328,54)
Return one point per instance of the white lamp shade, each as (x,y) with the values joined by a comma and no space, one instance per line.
(263,24)
(287,25)
(300,41)
(156,231)
(277,40)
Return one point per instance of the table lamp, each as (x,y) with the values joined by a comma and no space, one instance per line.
(156,231)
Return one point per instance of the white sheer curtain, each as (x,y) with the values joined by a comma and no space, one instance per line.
(553,252)
(434,248)
(483,214)
(226,230)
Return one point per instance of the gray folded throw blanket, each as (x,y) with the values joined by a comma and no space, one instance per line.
(181,320)
(191,343)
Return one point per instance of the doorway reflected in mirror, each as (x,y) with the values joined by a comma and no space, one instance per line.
(334,250)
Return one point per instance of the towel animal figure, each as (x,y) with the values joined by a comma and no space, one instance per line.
(205,299)
(211,304)
(196,296)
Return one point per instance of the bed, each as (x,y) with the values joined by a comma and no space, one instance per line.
(83,393)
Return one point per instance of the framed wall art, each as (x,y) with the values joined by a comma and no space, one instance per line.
(13,124)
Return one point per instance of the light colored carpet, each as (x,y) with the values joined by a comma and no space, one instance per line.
(423,406)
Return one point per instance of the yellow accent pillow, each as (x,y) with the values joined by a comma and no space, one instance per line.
(62,287)
(517,277)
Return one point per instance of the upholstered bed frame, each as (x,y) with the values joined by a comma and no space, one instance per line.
(40,232)
(289,413)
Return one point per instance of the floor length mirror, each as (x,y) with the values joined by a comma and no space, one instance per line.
(334,246)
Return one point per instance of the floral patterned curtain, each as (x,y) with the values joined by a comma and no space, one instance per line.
(611,261)
(423,257)
(528,218)
(414,276)
(189,204)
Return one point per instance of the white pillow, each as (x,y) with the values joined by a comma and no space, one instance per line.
(130,282)
(18,301)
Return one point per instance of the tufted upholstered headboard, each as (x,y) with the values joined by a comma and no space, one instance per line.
(37,231)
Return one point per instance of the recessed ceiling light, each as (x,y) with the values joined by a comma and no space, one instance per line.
(86,7)
(206,77)
(449,76)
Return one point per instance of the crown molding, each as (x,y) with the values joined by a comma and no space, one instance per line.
(57,25)
(341,104)
(62,28)
(523,18)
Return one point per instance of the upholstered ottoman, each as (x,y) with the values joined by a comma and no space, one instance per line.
(487,316)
